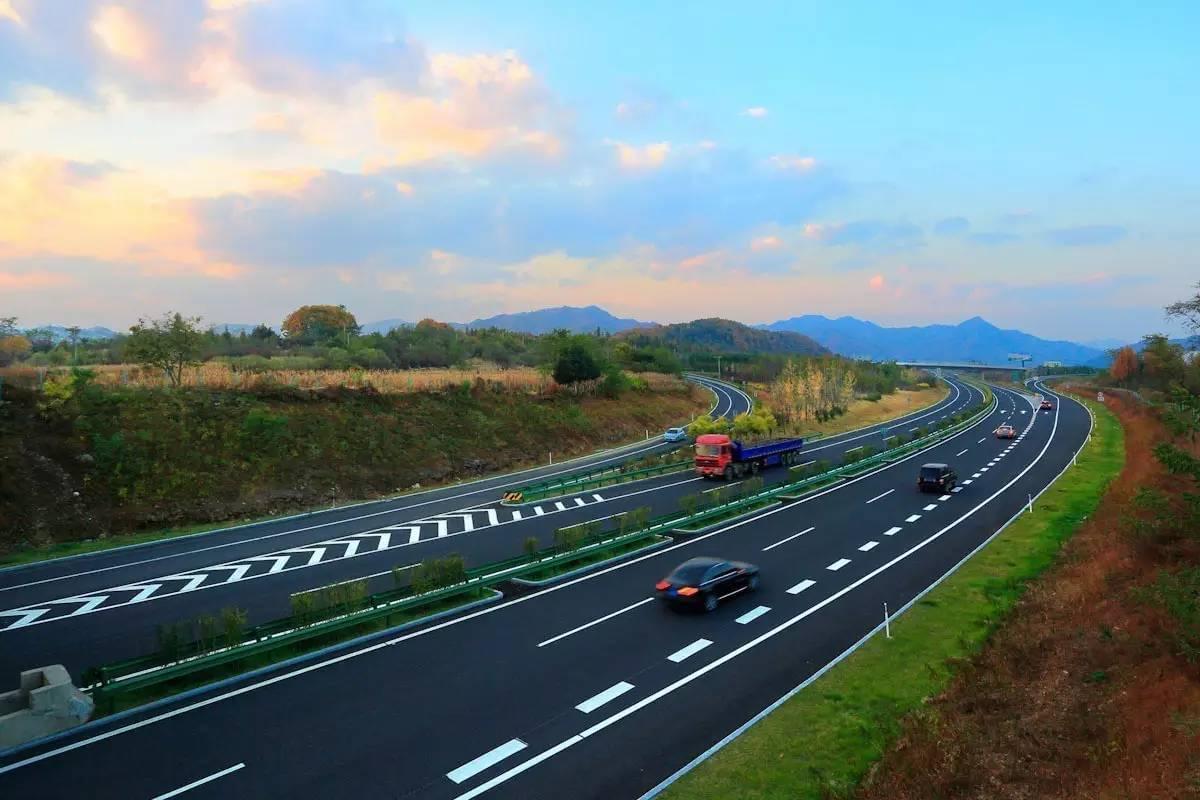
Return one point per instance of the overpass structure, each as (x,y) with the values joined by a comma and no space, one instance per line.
(958,365)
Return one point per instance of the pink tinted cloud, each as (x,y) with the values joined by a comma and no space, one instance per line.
(877,283)
(32,281)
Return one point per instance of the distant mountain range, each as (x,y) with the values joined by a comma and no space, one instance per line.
(579,320)
(724,336)
(59,333)
(976,339)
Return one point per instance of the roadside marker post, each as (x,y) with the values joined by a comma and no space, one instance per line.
(1030,496)
(887,621)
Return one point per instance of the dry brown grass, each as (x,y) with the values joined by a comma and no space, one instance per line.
(863,413)
(218,375)
(1079,695)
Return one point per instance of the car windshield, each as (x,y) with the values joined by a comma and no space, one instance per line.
(708,449)
(690,573)
(931,472)
(674,430)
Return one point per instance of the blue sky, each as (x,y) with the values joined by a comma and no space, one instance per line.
(905,163)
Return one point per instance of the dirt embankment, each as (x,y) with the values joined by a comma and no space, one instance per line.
(1082,693)
(100,461)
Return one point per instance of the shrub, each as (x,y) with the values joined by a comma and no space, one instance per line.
(531,546)
(438,573)
(233,625)
(570,538)
(688,504)
(1178,593)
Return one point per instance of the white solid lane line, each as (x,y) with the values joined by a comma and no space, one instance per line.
(930,507)
(835,566)
(201,782)
(880,497)
(752,615)
(788,539)
(869,546)
(801,586)
(608,695)
(912,518)
(587,625)
(689,651)
(892,531)
(700,672)
(493,756)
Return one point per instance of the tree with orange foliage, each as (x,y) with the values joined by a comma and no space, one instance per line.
(313,323)
(1125,364)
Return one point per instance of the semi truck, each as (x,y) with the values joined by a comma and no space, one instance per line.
(718,456)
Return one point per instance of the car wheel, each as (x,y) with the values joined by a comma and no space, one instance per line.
(753,583)
(710,602)
(729,473)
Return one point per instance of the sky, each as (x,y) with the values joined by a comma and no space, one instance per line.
(908,163)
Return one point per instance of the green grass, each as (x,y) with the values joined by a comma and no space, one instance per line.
(821,742)
(569,565)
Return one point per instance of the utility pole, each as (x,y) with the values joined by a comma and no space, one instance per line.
(718,367)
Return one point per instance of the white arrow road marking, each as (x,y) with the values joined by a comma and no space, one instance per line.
(516,515)
(351,546)
(277,566)
(27,615)
(441,525)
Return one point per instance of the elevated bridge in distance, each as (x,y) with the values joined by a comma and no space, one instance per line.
(959,365)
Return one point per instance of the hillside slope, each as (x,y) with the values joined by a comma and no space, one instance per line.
(724,336)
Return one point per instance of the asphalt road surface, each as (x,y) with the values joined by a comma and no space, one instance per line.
(587,689)
(94,610)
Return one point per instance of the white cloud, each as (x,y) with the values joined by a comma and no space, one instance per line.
(758,112)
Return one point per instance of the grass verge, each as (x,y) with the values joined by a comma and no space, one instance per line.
(821,742)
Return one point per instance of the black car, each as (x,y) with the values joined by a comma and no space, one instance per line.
(703,582)
(936,478)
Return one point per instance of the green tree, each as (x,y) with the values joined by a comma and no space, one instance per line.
(171,343)
(576,362)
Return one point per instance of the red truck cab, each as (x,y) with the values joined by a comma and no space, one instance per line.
(713,454)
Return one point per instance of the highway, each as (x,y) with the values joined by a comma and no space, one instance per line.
(587,688)
(87,612)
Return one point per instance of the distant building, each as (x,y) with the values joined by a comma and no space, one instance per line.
(1052,364)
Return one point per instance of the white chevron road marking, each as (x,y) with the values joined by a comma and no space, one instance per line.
(27,616)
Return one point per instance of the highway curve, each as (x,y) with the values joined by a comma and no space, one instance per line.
(86,612)
(586,689)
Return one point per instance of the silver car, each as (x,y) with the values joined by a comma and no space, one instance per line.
(675,435)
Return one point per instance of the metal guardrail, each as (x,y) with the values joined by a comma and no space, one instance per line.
(138,674)
(593,479)
(261,642)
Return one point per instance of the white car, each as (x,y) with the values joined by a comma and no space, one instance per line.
(675,435)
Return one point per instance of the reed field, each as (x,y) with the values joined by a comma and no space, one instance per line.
(220,375)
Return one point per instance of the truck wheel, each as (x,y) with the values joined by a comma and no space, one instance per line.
(754,467)
(729,473)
